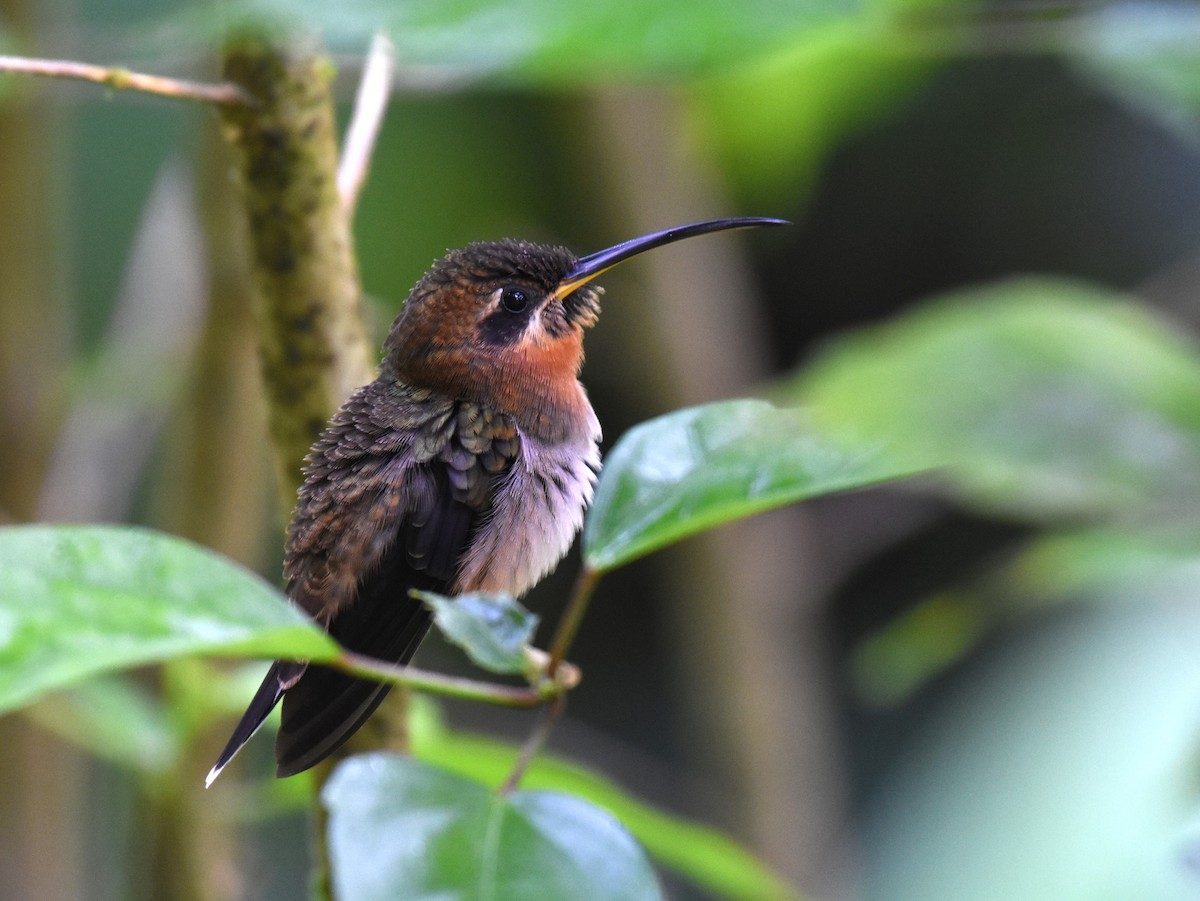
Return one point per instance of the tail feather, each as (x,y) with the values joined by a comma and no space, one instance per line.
(325,707)
(320,715)
(281,674)
(322,707)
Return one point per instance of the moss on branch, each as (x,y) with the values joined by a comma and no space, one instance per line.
(312,340)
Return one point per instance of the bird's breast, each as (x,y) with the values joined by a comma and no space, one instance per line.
(535,515)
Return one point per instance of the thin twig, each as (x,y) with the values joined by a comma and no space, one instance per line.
(369,105)
(451,686)
(572,617)
(123,80)
(534,744)
(558,673)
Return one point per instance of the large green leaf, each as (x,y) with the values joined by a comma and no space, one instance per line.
(535,39)
(703,855)
(1059,767)
(400,828)
(1036,396)
(80,600)
(676,475)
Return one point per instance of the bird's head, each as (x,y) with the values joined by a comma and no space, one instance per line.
(501,322)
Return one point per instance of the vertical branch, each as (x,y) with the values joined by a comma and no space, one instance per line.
(43,780)
(33,322)
(312,341)
(312,338)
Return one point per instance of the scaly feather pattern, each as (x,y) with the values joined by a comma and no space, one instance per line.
(393,493)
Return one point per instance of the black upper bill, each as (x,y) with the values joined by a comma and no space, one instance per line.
(593,264)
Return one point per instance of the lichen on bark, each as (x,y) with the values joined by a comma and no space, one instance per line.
(312,341)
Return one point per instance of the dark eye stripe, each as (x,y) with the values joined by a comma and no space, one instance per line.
(506,323)
(502,328)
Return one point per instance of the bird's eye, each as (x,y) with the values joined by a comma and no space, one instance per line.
(514,300)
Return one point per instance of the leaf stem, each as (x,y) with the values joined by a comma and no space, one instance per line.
(572,618)
(450,686)
(534,743)
(224,93)
(564,636)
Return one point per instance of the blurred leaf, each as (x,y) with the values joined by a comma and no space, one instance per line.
(199,692)
(1039,397)
(692,469)
(493,629)
(1107,563)
(703,855)
(1061,767)
(531,40)
(115,719)
(1094,565)
(80,600)
(1147,52)
(400,828)
(776,117)
(892,663)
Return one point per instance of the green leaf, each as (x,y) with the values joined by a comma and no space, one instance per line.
(684,472)
(80,600)
(399,829)
(532,40)
(1040,397)
(493,629)
(775,119)
(116,719)
(892,663)
(703,855)
(1057,570)
(1060,767)
(1145,53)
(1109,564)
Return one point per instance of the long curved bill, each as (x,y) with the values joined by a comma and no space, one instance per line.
(593,264)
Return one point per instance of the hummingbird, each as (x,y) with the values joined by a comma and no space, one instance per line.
(466,466)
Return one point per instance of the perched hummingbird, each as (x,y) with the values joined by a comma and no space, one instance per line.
(464,467)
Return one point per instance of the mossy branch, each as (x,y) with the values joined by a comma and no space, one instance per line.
(312,341)
(312,338)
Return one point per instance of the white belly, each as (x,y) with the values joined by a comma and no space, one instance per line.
(535,516)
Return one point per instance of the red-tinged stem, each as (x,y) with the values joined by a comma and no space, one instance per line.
(572,618)
(534,744)
(564,636)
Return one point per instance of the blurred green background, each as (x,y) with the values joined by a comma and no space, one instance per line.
(985,688)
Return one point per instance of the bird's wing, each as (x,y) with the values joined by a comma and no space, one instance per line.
(394,490)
